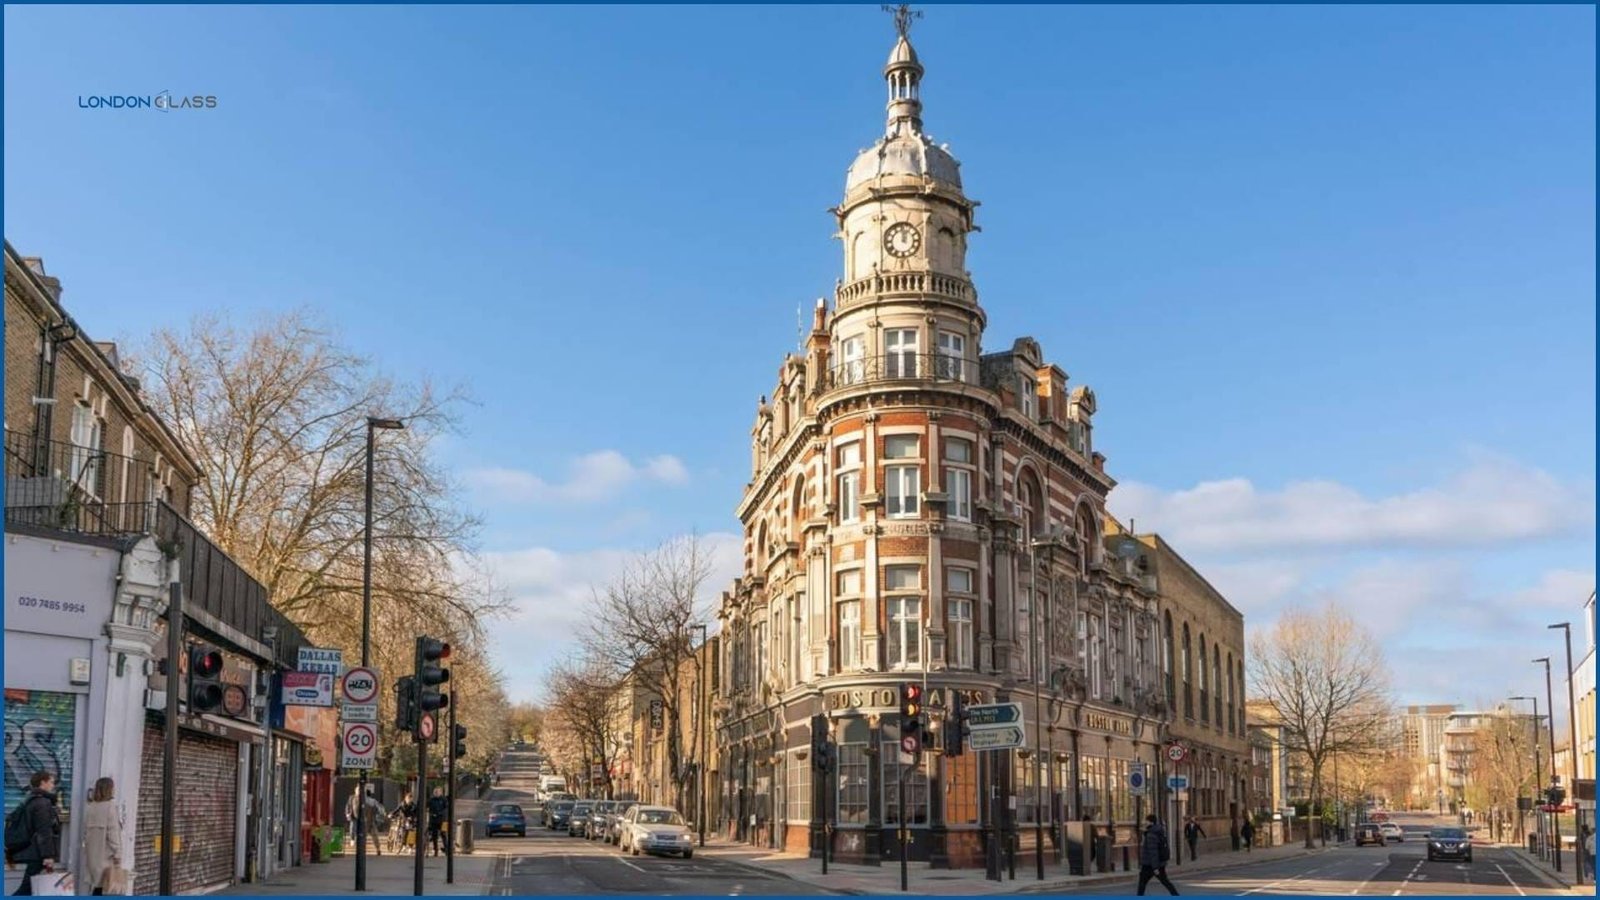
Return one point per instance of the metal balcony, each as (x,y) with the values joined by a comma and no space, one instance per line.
(906,368)
(68,487)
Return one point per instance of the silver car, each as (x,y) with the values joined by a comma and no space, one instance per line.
(656,829)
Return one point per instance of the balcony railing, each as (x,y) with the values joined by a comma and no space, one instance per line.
(906,367)
(912,284)
(69,487)
(64,486)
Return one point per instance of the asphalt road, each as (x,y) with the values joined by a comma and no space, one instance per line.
(549,862)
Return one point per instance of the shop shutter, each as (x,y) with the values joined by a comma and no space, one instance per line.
(205,818)
(41,732)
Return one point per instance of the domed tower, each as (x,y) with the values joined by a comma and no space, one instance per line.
(904,224)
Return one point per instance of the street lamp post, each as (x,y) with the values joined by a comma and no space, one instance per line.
(1549,697)
(1043,546)
(1538,772)
(373,424)
(1572,752)
(700,736)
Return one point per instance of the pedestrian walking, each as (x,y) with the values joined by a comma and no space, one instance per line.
(102,840)
(438,810)
(33,831)
(1588,847)
(1192,833)
(367,809)
(1247,832)
(1154,851)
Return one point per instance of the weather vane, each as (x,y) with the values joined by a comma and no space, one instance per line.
(903,14)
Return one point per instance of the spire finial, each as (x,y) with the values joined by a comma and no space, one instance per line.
(903,14)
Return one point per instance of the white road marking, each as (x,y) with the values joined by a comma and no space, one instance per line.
(1407,878)
(1283,881)
(628,864)
(1520,891)
(1376,868)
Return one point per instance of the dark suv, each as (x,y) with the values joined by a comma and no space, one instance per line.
(1449,843)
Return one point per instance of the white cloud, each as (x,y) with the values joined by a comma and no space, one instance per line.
(1491,500)
(1562,590)
(602,475)
(552,595)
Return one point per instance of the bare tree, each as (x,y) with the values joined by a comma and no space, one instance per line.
(642,626)
(276,416)
(1500,768)
(525,721)
(1326,677)
(581,717)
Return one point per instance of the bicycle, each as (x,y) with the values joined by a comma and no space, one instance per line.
(401,834)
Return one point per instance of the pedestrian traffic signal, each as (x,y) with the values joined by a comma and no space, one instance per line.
(910,709)
(955,726)
(205,679)
(430,674)
(405,704)
(459,750)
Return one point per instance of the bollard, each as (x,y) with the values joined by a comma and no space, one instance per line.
(1125,866)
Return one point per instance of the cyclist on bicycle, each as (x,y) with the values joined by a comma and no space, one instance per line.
(404,820)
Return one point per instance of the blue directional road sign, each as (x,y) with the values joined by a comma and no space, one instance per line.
(993,715)
(1177,782)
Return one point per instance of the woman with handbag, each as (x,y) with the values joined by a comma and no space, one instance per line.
(102,840)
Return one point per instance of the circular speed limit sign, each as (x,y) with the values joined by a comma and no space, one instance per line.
(1177,752)
(360,738)
(360,686)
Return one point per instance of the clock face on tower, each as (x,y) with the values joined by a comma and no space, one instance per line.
(902,239)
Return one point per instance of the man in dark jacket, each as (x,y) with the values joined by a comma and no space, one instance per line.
(1154,852)
(1247,831)
(44,829)
(1192,833)
(438,827)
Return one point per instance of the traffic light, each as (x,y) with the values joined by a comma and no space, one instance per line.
(205,679)
(405,704)
(430,674)
(459,750)
(819,742)
(910,709)
(955,726)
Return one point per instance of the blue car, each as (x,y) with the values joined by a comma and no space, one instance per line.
(507,818)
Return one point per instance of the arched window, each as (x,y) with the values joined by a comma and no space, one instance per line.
(1205,681)
(1216,682)
(1031,499)
(1088,537)
(1167,651)
(1188,675)
(1232,686)
(796,520)
(1242,723)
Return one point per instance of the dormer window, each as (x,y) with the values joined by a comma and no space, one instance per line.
(1027,395)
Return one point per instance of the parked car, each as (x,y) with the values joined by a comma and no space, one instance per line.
(556,814)
(600,819)
(506,818)
(656,829)
(1449,843)
(1392,832)
(1369,833)
(578,822)
(614,827)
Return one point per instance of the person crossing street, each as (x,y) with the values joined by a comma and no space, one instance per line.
(1154,851)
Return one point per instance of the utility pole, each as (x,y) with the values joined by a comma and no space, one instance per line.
(169,765)
(1555,817)
(1572,757)
(450,804)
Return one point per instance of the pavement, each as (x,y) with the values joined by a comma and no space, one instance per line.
(390,875)
(846,878)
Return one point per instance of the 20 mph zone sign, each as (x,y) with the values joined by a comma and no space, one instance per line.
(360,745)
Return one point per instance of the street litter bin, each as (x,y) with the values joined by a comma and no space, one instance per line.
(1533,843)
(464,835)
(1102,852)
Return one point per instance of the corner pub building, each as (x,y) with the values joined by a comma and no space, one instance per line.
(922,511)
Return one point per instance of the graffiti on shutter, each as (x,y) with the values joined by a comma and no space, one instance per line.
(205,816)
(40,727)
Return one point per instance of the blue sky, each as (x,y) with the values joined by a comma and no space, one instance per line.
(1330,270)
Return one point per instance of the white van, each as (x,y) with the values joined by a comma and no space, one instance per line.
(551,783)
